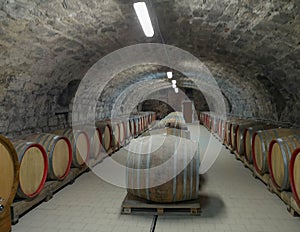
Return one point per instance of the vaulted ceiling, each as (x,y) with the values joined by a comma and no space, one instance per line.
(251,47)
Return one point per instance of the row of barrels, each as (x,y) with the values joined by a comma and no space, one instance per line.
(272,148)
(50,156)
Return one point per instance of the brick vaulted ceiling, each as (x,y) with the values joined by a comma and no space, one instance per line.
(252,48)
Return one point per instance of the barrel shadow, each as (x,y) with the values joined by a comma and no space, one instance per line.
(211,206)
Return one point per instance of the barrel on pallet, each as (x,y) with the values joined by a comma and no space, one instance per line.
(96,146)
(233,125)
(248,134)
(227,139)
(260,146)
(167,158)
(59,153)
(239,129)
(294,174)
(280,152)
(80,143)
(9,179)
(33,162)
(221,129)
(115,134)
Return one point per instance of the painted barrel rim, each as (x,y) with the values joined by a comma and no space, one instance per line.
(107,129)
(45,172)
(122,125)
(84,159)
(247,151)
(99,135)
(271,170)
(116,134)
(13,157)
(70,157)
(296,194)
(254,153)
(52,140)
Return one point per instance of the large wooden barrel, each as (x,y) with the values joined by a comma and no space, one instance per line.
(33,162)
(127,129)
(234,124)
(96,146)
(9,179)
(122,130)
(179,170)
(260,146)
(107,139)
(294,174)
(80,143)
(136,126)
(238,139)
(248,134)
(221,129)
(59,153)
(280,153)
(132,127)
(115,135)
(228,124)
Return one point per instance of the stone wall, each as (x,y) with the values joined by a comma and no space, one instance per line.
(46,47)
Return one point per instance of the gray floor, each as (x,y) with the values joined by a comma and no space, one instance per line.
(232,200)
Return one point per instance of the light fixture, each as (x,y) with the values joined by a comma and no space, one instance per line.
(174,82)
(144,18)
(174,86)
(176,90)
(169,75)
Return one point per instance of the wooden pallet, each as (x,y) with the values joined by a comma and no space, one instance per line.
(293,208)
(264,178)
(20,207)
(287,198)
(134,205)
(283,195)
(247,165)
(238,156)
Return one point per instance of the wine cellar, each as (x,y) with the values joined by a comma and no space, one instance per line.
(155,115)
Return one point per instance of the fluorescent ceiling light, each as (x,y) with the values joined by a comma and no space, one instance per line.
(174,82)
(144,18)
(176,90)
(169,75)
(174,86)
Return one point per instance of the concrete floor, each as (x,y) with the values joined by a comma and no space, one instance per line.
(232,200)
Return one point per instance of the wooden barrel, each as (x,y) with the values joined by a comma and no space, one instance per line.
(180,168)
(106,131)
(9,179)
(96,145)
(238,129)
(280,153)
(136,126)
(122,130)
(80,143)
(132,127)
(232,127)
(59,153)
(33,162)
(128,128)
(227,131)
(115,135)
(260,146)
(142,123)
(294,174)
(248,134)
